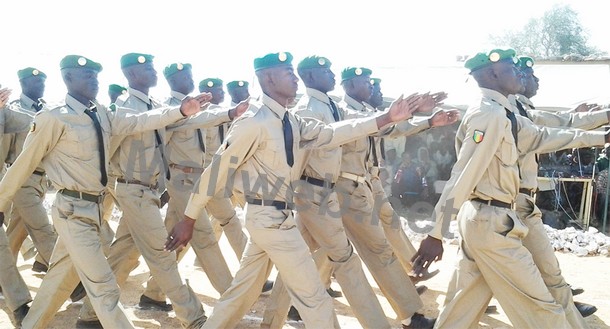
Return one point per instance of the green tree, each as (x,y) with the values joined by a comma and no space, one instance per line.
(556,34)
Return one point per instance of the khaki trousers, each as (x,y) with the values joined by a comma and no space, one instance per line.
(78,254)
(319,220)
(390,222)
(14,289)
(366,234)
(274,239)
(204,242)
(493,262)
(543,253)
(141,230)
(30,217)
(222,211)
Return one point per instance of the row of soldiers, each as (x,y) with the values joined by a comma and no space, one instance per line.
(307,176)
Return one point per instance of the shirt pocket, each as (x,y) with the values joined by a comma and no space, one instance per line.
(508,149)
(81,142)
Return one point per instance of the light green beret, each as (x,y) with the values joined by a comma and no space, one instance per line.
(525,62)
(135,58)
(174,68)
(353,72)
(313,62)
(77,61)
(237,84)
(272,60)
(375,81)
(30,72)
(210,83)
(114,88)
(481,60)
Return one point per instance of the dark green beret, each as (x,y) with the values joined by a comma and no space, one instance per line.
(352,72)
(30,72)
(210,83)
(272,60)
(375,81)
(114,88)
(481,60)
(313,62)
(135,58)
(237,84)
(77,61)
(525,62)
(174,68)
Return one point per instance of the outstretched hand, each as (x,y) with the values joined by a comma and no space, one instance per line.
(430,250)
(431,101)
(239,109)
(180,234)
(444,118)
(586,107)
(403,108)
(192,105)
(4,95)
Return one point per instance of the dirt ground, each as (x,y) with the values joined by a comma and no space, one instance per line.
(590,273)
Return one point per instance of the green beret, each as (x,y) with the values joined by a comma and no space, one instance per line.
(352,72)
(313,62)
(375,81)
(174,68)
(237,84)
(481,60)
(30,72)
(525,62)
(210,83)
(135,58)
(272,60)
(77,61)
(114,88)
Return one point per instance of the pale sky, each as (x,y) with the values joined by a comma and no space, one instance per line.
(221,38)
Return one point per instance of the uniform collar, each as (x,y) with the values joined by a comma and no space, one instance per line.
(356,105)
(26,102)
(140,95)
(525,100)
(177,95)
(369,107)
(314,93)
(497,97)
(75,105)
(274,106)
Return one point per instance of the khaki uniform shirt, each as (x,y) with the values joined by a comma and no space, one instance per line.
(254,156)
(213,137)
(14,122)
(357,158)
(488,169)
(324,163)
(65,141)
(528,162)
(183,147)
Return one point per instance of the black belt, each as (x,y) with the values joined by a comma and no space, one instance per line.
(38,172)
(82,195)
(317,182)
(135,181)
(279,205)
(494,203)
(527,191)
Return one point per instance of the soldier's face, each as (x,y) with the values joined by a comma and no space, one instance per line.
(362,88)
(82,82)
(531,83)
(239,94)
(145,75)
(376,99)
(324,79)
(182,82)
(33,87)
(509,77)
(218,95)
(285,81)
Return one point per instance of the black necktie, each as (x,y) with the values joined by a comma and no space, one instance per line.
(37,106)
(373,151)
(160,146)
(100,143)
(334,110)
(522,110)
(201,143)
(221,133)
(288,139)
(514,129)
